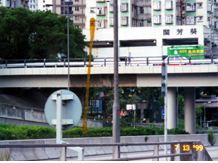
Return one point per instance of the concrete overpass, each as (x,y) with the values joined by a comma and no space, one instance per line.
(145,75)
(129,76)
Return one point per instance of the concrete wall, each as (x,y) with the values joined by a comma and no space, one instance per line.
(22,117)
(35,118)
(28,154)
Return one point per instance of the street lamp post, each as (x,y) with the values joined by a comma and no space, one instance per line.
(116,105)
(68,37)
(68,41)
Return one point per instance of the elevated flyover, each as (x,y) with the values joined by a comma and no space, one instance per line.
(204,75)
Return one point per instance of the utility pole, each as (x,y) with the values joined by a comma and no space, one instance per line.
(116,105)
(164,92)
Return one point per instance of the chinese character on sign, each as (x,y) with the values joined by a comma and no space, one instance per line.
(179,31)
(166,32)
(193,31)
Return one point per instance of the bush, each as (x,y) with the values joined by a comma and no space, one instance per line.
(211,137)
(14,132)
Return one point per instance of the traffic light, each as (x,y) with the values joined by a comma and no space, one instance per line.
(164,79)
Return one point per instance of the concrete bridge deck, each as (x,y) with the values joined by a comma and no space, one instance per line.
(129,76)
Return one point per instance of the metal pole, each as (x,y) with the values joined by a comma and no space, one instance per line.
(68,48)
(165,114)
(116,105)
(204,117)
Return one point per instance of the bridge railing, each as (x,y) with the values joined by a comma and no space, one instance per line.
(179,150)
(107,61)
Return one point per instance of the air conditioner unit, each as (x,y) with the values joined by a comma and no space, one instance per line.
(157,5)
(191,7)
(124,7)
(100,11)
(124,20)
(169,5)
(199,18)
(169,19)
(183,13)
(111,21)
(190,20)
(157,19)
(111,7)
(100,24)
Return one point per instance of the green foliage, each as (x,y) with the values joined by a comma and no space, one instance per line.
(199,110)
(146,138)
(211,137)
(14,132)
(25,34)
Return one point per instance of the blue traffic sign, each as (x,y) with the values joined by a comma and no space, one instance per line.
(162,114)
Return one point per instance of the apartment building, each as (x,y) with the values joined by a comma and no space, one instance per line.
(14,3)
(148,27)
(77,11)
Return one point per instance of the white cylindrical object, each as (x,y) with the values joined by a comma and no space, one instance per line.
(171,109)
(59,119)
(190,120)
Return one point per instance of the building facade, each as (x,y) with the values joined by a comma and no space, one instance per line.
(148,27)
(77,9)
(14,3)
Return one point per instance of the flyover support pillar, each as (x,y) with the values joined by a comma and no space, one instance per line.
(189,114)
(171,108)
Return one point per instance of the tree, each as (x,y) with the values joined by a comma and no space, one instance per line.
(25,34)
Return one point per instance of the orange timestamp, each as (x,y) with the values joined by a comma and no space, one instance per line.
(186,147)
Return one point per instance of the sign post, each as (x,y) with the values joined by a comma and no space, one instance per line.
(164,92)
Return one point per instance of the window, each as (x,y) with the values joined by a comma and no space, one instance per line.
(34,6)
(100,11)
(76,8)
(76,17)
(208,19)
(209,7)
(169,19)
(190,7)
(124,7)
(100,24)
(76,0)
(111,8)
(124,20)
(43,1)
(141,10)
(33,1)
(30,1)
(30,6)
(92,10)
(76,26)
(199,5)
(157,19)
(111,21)
(43,6)
(141,23)
(190,20)
(157,5)
(169,5)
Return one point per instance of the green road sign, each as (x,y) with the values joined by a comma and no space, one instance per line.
(186,51)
